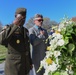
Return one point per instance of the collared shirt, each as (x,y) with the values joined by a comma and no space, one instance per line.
(38,28)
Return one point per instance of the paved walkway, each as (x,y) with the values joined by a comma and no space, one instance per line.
(2,68)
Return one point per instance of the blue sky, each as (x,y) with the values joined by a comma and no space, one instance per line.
(53,9)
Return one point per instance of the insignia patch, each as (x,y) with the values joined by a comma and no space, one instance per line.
(17,41)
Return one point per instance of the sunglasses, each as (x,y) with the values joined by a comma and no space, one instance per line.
(40,20)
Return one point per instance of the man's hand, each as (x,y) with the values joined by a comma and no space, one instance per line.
(19,20)
(42,32)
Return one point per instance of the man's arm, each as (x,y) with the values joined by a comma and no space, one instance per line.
(3,36)
(35,40)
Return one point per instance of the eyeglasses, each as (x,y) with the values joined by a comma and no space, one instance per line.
(40,20)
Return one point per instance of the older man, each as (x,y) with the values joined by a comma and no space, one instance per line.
(38,36)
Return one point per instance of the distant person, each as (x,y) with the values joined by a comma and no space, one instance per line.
(52,31)
(15,38)
(38,36)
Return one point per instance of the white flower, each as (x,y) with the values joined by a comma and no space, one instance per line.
(46,71)
(61,25)
(49,54)
(57,53)
(44,64)
(60,42)
(52,67)
(71,72)
(59,36)
(59,29)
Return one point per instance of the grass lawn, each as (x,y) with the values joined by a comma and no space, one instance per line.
(3,51)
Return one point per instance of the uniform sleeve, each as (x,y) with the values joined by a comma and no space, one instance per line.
(1,36)
(35,40)
(5,35)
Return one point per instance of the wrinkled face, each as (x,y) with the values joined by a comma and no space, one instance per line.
(38,21)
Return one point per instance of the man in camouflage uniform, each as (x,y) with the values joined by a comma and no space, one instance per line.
(15,38)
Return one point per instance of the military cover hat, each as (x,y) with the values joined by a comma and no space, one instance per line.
(21,11)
